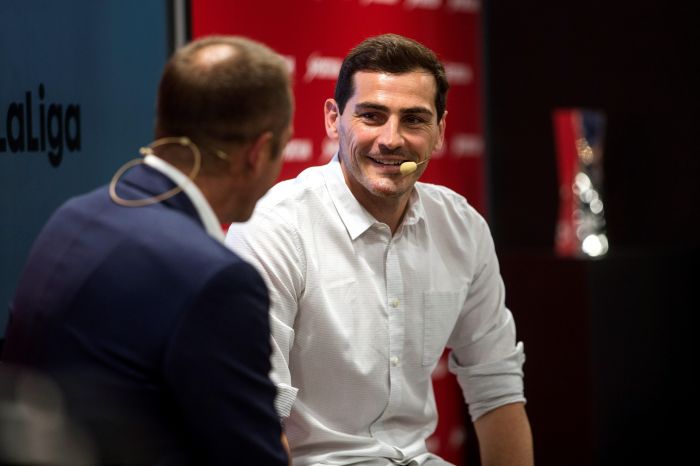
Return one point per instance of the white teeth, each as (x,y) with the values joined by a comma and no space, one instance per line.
(388,162)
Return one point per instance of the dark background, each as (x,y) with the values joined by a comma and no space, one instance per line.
(609,342)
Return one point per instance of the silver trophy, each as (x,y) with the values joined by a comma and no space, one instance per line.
(581,224)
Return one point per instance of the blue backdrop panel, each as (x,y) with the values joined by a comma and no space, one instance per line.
(78,81)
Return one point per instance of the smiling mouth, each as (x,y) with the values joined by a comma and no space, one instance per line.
(388,163)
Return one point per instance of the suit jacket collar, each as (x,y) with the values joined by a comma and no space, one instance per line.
(143,181)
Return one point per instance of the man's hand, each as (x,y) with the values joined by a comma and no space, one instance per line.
(285,444)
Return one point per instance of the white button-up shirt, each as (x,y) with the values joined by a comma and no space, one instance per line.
(360,317)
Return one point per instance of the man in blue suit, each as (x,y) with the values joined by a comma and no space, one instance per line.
(155,332)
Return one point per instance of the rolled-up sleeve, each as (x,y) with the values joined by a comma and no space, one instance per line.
(273,247)
(490,385)
(484,354)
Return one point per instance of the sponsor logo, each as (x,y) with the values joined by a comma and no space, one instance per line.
(328,149)
(466,145)
(458,73)
(425,4)
(298,150)
(318,67)
(439,153)
(291,63)
(380,2)
(34,125)
(463,6)
(466,6)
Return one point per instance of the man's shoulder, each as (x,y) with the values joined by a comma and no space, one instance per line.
(307,184)
(284,215)
(294,201)
(443,201)
(166,235)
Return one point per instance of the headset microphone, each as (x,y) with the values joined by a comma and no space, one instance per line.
(407,168)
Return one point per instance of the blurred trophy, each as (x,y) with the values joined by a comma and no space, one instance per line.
(580,230)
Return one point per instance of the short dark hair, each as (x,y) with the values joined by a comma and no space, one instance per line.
(232,100)
(390,53)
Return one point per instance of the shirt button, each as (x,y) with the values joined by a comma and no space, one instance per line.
(395,302)
(394,361)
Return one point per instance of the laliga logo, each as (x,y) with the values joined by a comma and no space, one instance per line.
(31,128)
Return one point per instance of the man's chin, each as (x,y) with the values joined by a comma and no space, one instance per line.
(388,189)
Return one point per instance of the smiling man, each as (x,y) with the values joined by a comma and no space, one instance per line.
(373,274)
(389,120)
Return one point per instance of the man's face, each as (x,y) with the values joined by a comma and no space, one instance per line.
(390,119)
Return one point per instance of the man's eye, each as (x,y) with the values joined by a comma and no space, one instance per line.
(371,118)
(414,120)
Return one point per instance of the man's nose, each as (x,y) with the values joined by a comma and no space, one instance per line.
(390,136)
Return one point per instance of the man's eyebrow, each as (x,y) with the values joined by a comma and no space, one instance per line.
(370,106)
(383,108)
(423,110)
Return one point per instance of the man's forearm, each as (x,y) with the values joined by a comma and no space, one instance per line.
(505,438)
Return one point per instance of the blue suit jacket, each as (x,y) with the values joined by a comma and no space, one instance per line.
(157,334)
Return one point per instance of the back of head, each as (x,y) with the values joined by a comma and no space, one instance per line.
(395,54)
(220,90)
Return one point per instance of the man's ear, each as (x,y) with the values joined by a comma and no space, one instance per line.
(331,114)
(441,131)
(258,152)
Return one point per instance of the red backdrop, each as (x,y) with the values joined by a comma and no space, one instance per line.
(314,36)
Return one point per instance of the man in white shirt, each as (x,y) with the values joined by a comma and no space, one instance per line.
(372,274)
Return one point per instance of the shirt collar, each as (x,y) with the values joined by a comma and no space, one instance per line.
(355,217)
(415,211)
(206,214)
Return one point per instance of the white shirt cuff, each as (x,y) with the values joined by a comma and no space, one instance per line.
(286,396)
(490,385)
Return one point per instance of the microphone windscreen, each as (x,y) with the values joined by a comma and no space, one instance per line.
(407,168)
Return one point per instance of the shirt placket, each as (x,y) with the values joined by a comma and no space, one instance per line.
(396,323)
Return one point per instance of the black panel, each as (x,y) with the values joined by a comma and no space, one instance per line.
(609,343)
(637,61)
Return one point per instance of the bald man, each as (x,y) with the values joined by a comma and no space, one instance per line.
(156,333)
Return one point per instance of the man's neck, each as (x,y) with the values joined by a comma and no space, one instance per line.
(221,198)
(388,210)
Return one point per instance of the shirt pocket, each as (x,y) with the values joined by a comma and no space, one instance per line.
(440,312)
